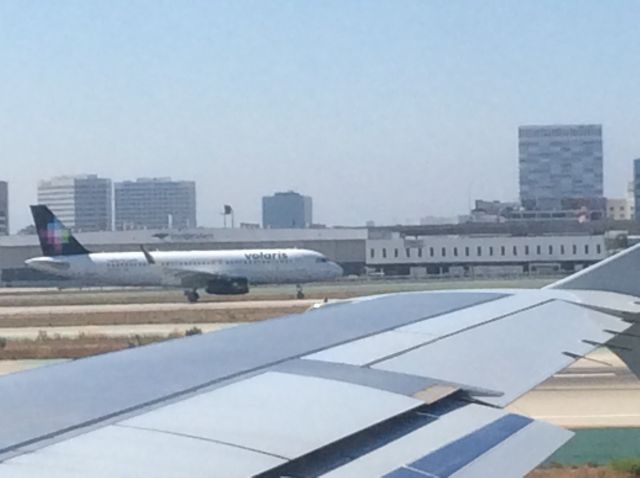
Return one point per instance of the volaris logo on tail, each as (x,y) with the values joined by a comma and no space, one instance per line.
(56,236)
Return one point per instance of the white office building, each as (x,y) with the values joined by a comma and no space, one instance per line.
(397,255)
(83,203)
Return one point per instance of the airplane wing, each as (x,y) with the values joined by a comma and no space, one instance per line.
(401,385)
(194,279)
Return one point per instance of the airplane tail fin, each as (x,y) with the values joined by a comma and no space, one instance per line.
(55,238)
(618,273)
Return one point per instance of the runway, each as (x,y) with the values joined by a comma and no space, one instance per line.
(149,313)
(31,333)
(159,307)
(13,366)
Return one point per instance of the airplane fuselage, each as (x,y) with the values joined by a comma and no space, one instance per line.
(257,266)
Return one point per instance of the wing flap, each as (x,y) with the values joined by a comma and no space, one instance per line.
(264,413)
(263,421)
(461,442)
(519,454)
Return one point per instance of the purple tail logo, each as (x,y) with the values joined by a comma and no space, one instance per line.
(56,236)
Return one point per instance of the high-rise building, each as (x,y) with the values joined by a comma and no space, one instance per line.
(83,203)
(623,209)
(4,208)
(155,203)
(620,209)
(636,188)
(287,210)
(561,167)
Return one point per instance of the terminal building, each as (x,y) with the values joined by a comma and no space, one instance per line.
(483,255)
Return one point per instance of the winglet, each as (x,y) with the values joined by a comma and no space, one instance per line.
(147,255)
(619,273)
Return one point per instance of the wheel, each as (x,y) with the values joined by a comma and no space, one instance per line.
(192,296)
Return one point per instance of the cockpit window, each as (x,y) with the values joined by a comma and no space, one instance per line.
(322,259)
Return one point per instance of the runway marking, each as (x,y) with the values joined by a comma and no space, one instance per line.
(585,375)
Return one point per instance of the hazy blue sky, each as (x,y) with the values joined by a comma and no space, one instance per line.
(384,110)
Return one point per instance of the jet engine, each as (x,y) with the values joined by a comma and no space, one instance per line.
(228,287)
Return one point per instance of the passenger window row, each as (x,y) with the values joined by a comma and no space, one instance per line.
(206,263)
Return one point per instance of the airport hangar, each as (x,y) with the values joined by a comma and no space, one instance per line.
(457,250)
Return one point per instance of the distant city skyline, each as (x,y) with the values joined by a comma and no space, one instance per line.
(386,111)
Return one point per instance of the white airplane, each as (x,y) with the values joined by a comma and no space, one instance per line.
(216,272)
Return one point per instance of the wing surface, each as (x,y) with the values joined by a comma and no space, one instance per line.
(402,385)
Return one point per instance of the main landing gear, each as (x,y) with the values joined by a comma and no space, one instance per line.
(192,296)
(299,292)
